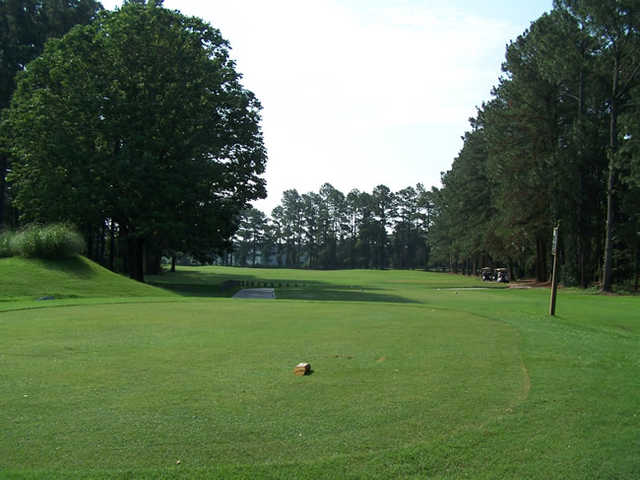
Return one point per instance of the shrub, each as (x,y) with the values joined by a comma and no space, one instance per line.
(57,240)
(5,243)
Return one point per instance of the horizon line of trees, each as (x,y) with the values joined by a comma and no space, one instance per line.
(329,229)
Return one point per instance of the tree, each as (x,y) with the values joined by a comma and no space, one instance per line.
(615,24)
(250,236)
(25,25)
(311,205)
(424,223)
(567,57)
(270,245)
(333,223)
(139,118)
(405,229)
(383,204)
(557,142)
(288,216)
(629,166)
(352,226)
(465,205)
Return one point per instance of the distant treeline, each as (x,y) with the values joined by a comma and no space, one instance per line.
(329,229)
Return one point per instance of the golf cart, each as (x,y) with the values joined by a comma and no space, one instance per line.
(486,274)
(502,275)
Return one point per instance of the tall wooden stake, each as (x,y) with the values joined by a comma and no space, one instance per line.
(554,275)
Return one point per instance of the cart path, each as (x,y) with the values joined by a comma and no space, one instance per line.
(264,293)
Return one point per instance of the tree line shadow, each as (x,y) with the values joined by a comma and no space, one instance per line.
(200,284)
(73,266)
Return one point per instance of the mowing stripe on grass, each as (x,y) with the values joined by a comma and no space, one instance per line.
(138,386)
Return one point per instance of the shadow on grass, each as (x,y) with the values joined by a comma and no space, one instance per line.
(337,293)
(225,289)
(286,290)
(202,284)
(189,278)
(72,266)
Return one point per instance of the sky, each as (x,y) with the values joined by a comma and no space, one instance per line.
(359,93)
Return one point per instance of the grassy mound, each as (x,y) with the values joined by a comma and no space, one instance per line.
(26,278)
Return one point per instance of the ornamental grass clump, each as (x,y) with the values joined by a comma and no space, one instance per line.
(53,241)
(5,243)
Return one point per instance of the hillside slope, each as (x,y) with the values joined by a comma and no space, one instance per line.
(22,278)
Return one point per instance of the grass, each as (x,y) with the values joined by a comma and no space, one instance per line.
(76,277)
(416,375)
(346,285)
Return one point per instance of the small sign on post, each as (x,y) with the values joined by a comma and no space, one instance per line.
(554,275)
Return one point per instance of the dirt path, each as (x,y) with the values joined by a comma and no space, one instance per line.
(529,284)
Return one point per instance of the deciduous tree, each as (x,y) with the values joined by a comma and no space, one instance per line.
(140,118)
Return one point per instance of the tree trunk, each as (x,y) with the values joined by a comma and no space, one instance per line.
(637,269)
(90,239)
(608,239)
(112,246)
(103,243)
(136,258)
(173,263)
(583,280)
(541,260)
(152,261)
(580,241)
(140,260)
(613,144)
(3,172)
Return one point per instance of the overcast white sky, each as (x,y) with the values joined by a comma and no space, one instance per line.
(359,93)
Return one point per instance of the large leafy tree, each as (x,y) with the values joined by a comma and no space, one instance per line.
(139,118)
(25,26)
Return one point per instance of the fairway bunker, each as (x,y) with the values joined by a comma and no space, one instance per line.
(261,293)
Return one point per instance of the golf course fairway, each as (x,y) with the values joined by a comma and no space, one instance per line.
(416,380)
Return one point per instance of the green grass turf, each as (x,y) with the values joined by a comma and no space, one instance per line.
(346,285)
(28,279)
(413,378)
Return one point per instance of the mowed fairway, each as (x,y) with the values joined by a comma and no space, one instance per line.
(411,378)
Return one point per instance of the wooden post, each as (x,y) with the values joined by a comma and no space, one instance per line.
(554,275)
